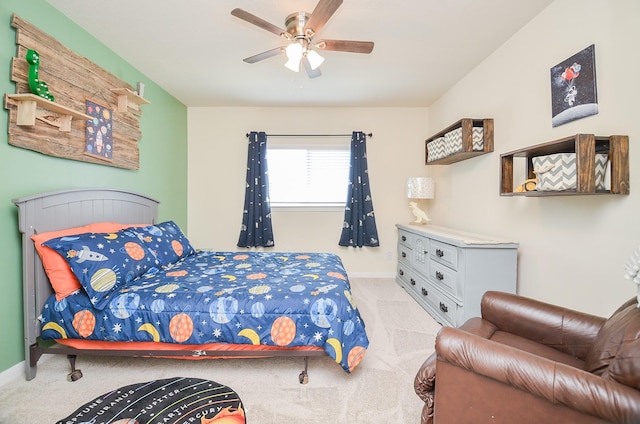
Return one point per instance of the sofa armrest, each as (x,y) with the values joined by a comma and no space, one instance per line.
(566,330)
(556,382)
(424,386)
(425,380)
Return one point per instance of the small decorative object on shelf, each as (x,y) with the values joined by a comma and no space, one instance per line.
(140,91)
(128,98)
(462,140)
(37,87)
(579,164)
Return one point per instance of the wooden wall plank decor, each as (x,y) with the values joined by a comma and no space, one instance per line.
(72,79)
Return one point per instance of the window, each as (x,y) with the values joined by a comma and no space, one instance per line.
(309,175)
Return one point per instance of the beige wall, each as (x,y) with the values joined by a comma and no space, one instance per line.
(572,249)
(217,166)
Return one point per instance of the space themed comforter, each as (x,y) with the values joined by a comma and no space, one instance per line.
(255,298)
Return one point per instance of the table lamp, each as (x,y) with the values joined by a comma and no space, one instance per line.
(420,188)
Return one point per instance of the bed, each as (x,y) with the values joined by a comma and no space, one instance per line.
(141,289)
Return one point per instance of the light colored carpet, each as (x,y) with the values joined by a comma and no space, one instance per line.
(380,390)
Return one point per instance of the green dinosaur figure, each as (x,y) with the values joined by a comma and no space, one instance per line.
(36,86)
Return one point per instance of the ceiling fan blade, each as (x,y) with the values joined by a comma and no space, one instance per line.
(321,14)
(253,19)
(313,73)
(264,55)
(346,46)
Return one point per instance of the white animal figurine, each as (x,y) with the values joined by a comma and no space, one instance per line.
(421,216)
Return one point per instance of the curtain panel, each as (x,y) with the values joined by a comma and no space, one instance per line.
(256,230)
(359,226)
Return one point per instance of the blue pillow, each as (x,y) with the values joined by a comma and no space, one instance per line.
(166,241)
(104,262)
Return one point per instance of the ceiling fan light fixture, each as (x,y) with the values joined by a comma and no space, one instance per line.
(315,60)
(292,64)
(301,31)
(294,53)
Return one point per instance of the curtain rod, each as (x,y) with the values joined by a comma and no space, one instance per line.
(312,135)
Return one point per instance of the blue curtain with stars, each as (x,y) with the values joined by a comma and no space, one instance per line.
(359,227)
(256,230)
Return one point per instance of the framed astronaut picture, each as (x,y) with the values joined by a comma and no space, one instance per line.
(573,88)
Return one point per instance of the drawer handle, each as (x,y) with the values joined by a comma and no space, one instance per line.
(439,253)
(444,308)
(401,272)
(404,238)
(413,282)
(425,292)
(439,275)
(404,255)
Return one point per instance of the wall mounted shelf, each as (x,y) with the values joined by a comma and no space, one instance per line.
(128,98)
(28,111)
(585,146)
(466,125)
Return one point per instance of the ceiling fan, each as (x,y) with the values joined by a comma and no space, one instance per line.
(301,30)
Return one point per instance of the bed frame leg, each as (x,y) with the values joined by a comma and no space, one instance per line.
(75,374)
(304,376)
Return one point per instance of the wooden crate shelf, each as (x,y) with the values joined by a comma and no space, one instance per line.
(467,152)
(585,146)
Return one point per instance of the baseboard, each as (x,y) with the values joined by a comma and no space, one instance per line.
(17,371)
(372,275)
(12,373)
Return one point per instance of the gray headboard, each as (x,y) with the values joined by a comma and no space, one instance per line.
(62,209)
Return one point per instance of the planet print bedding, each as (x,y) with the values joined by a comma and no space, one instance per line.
(278,299)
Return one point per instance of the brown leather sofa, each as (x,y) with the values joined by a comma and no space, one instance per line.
(526,361)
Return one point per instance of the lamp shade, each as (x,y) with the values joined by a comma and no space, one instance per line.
(315,59)
(420,188)
(294,53)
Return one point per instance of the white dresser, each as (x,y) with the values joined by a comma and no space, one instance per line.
(447,271)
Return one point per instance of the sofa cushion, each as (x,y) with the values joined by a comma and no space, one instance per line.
(625,367)
(615,354)
(536,348)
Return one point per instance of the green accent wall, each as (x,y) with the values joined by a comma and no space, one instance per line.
(163,157)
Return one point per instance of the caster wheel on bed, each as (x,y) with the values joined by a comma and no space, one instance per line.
(74,375)
(303,377)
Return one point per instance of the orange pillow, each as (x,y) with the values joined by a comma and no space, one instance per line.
(60,275)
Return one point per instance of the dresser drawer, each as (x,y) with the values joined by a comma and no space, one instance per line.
(441,304)
(445,279)
(406,238)
(444,253)
(408,277)
(404,254)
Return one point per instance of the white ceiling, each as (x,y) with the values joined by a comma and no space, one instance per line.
(194,48)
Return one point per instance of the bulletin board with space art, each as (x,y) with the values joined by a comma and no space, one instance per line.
(573,88)
(99,131)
